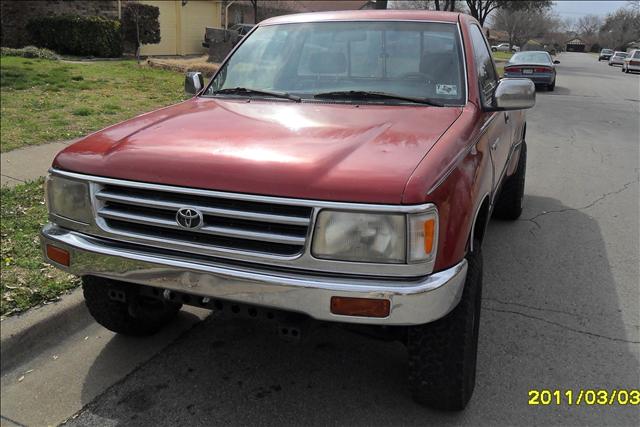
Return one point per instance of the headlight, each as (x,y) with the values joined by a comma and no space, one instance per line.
(351,236)
(68,198)
(377,238)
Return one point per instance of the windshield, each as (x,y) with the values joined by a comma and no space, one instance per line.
(607,51)
(636,54)
(621,54)
(411,59)
(530,57)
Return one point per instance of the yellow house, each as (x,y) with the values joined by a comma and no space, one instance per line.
(182,25)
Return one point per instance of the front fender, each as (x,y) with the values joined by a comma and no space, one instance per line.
(456,176)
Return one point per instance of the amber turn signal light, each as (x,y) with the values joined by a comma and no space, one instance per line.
(58,255)
(429,228)
(365,307)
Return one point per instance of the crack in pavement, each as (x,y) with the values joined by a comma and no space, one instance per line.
(560,325)
(593,203)
(551,310)
(17,179)
(9,420)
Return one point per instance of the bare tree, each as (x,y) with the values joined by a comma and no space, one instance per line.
(481,9)
(569,24)
(588,25)
(620,28)
(522,25)
(448,5)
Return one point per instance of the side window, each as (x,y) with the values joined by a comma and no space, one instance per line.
(486,72)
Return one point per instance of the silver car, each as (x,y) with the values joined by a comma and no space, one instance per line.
(617,58)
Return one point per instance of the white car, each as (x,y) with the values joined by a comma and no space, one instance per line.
(617,58)
(504,47)
(631,62)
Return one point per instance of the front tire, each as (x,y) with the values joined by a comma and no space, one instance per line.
(443,354)
(136,315)
(511,199)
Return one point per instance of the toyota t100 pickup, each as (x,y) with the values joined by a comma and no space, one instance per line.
(339,166)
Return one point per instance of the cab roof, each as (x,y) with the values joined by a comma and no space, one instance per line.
(365,15)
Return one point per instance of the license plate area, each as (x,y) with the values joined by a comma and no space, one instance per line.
(527,71)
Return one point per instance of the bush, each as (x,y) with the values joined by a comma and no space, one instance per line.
(77,35)
(140,24)
(30,52)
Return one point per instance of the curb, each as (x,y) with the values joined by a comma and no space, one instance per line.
(25,336)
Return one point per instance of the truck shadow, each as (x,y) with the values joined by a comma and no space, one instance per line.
(551,320)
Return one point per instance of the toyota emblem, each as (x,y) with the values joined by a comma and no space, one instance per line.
(189,218)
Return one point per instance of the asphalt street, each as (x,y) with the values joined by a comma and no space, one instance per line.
(561,305)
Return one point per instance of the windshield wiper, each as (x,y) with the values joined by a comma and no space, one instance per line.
(363,94)
(248,91)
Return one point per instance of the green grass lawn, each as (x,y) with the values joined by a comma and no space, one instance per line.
(44,100)
(25,280)
(504,56)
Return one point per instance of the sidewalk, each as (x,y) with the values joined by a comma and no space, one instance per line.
(29,163)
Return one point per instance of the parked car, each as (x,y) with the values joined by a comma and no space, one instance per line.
(535,65)
(631,62)
(617,58)
(605,54)
(504,47)
(313,177)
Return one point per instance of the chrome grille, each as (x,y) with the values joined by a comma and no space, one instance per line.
(228,224)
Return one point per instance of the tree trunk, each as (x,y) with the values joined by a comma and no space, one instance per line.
(137,39)
(255,11)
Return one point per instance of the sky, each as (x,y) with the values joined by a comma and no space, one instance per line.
(576,9)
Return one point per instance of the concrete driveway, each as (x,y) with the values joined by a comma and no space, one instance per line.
(561,305)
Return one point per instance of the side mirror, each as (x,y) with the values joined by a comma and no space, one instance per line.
(193,82)
(556,61)
(514,94)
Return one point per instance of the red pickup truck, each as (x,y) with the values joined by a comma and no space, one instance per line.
(339,166)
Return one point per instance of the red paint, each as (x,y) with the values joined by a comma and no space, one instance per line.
(373,154)
(311,151)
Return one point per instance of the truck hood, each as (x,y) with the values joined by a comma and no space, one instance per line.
(328,151)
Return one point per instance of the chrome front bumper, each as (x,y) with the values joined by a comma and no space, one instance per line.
(413,301)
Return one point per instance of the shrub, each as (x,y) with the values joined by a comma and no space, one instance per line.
(77,35)
(30,52)
(140,24)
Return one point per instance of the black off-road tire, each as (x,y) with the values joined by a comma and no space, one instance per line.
(443,354)
(137,316)
(511,197)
